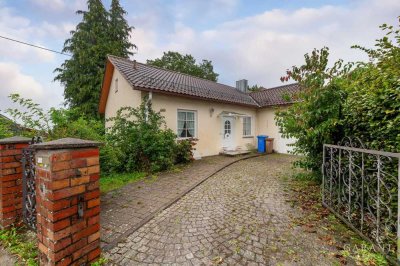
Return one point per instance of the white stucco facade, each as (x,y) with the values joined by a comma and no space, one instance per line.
(266,126)
(120,95)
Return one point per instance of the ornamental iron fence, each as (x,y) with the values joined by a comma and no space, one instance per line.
(361,187)
(29,185)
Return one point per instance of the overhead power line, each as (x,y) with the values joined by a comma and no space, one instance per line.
(32,45)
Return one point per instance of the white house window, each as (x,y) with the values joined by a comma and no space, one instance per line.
(186,124)
(116,85)
(247,126)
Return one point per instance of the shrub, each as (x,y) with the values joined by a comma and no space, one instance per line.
(140,134)
(184,150)
(137,141)
(54,123)
(372,109)
(316,118)
(62,123)
(71,123)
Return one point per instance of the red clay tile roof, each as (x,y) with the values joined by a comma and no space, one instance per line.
(151,78)
(276,96)
(158,79)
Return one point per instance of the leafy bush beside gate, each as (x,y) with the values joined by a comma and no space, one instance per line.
(355,99)
(138,141)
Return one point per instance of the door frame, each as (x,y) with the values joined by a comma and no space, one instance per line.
(231,144)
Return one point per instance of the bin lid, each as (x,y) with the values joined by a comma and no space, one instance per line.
(262,136)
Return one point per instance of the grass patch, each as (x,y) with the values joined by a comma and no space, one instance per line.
(102,261)
(20,243)
(117,180)
(364,254)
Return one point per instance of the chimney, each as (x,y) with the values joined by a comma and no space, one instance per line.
(134,64)
(242,85)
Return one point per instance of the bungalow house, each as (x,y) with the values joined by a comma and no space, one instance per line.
(221,117)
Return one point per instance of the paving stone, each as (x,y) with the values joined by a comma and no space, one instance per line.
(127,207)
(240,216)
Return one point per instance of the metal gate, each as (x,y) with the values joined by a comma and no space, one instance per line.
(28,185)
(361,187)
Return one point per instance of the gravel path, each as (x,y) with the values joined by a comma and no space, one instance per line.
(240,216)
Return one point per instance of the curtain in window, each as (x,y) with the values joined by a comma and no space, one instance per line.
(186,124)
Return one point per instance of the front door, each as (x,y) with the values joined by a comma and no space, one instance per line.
(227,133)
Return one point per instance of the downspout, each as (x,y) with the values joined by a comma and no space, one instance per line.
(149,99)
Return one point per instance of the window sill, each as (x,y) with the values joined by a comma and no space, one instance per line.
(248,137)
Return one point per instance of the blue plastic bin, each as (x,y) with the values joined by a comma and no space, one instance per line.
(261,143)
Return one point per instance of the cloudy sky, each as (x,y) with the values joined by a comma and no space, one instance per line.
(256,40)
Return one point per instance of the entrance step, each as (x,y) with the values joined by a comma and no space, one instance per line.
(234,153)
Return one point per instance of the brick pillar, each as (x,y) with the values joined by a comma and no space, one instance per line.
(11,180)
(68,201)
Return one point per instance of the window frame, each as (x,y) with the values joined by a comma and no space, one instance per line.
(116,85)
(245,124)
(195,122)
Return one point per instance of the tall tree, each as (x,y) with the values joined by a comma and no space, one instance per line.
(255,88)
(185,64)
(120,31)
(89,45)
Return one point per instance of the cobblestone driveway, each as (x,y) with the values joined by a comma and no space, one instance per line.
(240,216)
(126,209)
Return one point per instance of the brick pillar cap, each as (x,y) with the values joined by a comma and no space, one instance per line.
(15,140)
(66,143)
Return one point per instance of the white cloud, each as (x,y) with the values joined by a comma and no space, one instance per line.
(209,9)
(60,5)
(22,29)
(54,5)
(59,31)
(260,48)
(14,81)
(146,43)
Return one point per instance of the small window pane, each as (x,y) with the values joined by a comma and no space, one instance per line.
(247,126)
(190,116)
(180,124)
(180,132)
(181,116)
(190,124)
